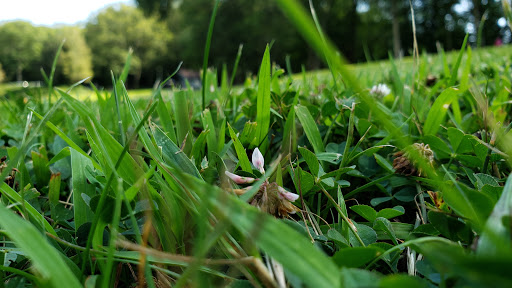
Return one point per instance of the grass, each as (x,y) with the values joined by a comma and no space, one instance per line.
(407,188)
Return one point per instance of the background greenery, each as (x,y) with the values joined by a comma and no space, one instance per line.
(164,33)
(404,186)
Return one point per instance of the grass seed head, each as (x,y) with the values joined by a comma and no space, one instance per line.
(403,164)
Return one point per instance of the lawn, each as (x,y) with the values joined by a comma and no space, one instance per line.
(315,179)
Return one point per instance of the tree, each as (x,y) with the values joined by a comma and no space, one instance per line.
(161,7)
(2,74)
(21,48)
(488,11)
(76,58)
(116,30)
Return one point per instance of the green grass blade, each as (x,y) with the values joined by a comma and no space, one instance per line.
(181,110)
(129,169)
(34,215)
(165,118)
(172,154)
(211,138)
(289,134)
(45,258)
(453,78)
(117,87)
(79,165)
(263,100)
(235,66)
(68,140)
(496,236)
(243,160)
(207,51)
(455,69)
(310,128)
(28,139)
(319,29)
(52,73)
(437,112)
(350,137)
(126,67)
(464,79)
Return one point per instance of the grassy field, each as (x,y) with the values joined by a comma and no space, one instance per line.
(386,174)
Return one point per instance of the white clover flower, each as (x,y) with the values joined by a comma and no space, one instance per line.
(270,198)
(258,161)
(380,90)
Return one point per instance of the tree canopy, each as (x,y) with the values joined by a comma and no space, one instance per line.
(116,30)
(162,33)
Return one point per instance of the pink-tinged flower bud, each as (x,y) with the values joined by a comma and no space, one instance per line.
(287,195)
(257,160)
(239,179)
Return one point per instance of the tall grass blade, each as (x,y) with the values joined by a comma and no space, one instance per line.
(263,100)
(319,29)
(211,138)
(116,88)
(183,128)
(207,51)
(165,118)
(52,73)
(235,66)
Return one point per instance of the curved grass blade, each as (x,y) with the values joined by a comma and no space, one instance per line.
(46,259)
(438,111)
(243,160)
(496,235)
(310,128)
(33,213)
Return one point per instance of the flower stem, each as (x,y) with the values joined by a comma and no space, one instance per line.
(343,216)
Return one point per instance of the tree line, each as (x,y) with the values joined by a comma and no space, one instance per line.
(162,33)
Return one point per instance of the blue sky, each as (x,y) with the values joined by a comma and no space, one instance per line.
(51,12)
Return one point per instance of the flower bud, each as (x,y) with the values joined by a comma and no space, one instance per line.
(239,179)
(287,195)
(257,160)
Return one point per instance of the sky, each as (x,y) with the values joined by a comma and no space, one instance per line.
(52,12)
